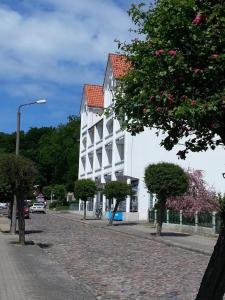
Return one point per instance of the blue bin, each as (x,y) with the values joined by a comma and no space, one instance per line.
(118,215)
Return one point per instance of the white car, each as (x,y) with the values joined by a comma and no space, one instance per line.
(38,207)
(3,205)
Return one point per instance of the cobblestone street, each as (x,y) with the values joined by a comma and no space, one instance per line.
(115,265)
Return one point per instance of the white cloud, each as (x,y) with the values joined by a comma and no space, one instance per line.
(59,44)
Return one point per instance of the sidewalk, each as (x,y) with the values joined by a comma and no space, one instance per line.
(196,243)
(27,273)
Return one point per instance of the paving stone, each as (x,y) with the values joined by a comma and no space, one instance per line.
(115,265)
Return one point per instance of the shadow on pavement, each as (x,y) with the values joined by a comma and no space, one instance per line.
(33,231)
(27,243)
(171,234)
(44,245)
(125,224)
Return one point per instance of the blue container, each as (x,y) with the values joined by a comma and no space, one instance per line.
(118,215)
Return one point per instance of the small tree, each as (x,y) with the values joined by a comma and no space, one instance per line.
(165,180)
(84,189)
(199,197)
(118,190)
(48,190)
(18,175)
(59,191)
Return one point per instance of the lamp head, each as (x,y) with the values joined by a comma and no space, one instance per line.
(41,101)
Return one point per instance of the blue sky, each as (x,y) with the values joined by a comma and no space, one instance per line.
(49,49)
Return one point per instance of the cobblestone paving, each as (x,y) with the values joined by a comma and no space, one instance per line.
(115,265)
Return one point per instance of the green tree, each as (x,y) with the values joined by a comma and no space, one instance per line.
(47,191)
(54,150)
(18,174)
(176,85)
(116,190)
(59,154)
(85,189)
(165,180)
(59,191)
(5,191)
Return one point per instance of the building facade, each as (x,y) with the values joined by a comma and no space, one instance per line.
(109,153)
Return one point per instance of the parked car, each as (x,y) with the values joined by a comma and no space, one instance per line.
(38,208)
(3,205)
(25,210)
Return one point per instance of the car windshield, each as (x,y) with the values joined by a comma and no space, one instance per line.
(38,204)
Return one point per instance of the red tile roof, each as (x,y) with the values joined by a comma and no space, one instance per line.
(120,65)
(94,95)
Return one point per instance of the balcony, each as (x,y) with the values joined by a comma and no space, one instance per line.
(90,137)
(119,155)
(99,132)
(109,127)
(98,160)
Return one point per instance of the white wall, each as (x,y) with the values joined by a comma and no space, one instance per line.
(146,150)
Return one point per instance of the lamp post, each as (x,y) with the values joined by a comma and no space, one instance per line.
(20,201)
(18,122)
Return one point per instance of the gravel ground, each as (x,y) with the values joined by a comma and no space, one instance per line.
(115,265)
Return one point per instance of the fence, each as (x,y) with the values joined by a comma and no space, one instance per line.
(197,222)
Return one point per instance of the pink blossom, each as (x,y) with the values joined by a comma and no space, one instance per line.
(145,110)
(170,98)
(158,109)
(199,197)
(197,71)
(172,52)
(215,56)
(197,20)
(152,98)
(193,102)
(183,97)
(159,52)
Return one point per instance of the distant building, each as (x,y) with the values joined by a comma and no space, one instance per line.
(108,153)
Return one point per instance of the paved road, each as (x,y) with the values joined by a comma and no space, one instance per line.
(116,265)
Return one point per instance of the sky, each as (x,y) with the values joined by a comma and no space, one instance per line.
(49,49)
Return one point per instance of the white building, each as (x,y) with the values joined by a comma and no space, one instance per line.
(108,153)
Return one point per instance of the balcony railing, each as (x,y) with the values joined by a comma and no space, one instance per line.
(119,163)
(108,166)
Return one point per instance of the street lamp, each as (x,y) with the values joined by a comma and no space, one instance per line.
(41,101)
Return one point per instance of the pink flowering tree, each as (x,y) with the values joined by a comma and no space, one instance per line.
(176,85)
(200,197)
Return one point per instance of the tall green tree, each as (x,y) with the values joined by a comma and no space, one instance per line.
(18,174)
(176,85)
(116,190)
(59,154)
(165,180)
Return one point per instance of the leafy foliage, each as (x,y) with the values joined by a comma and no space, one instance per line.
(54,150)
(5,191)
(199,196)
(117,189)
(17,173)
(176,82)
(165,180)
(84,189)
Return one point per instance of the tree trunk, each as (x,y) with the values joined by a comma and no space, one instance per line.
(213,282)
(13,215)
(21,221)
(160,219)
(113,213)
(85,209)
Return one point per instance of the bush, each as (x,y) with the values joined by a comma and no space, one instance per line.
(57,204)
